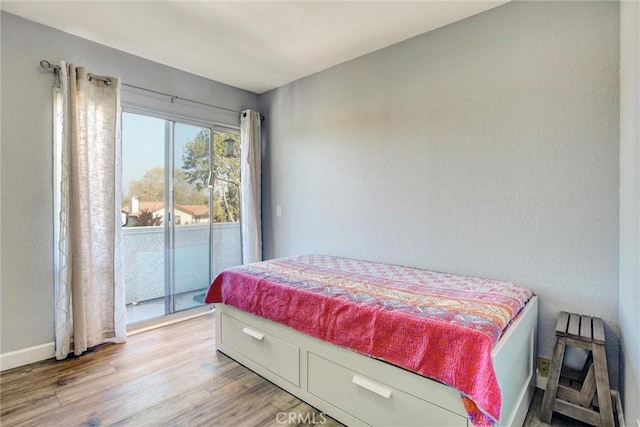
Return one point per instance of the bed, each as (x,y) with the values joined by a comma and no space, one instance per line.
(378,344)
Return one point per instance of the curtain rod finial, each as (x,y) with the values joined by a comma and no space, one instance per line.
(244,114)
(48,65)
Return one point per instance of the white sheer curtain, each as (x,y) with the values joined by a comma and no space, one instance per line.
(90,296)
(250,170)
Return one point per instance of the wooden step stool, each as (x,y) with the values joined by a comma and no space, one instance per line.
(587,333)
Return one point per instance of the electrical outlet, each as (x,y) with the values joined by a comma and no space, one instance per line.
(543,366)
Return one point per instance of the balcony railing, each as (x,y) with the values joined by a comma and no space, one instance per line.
(144,254)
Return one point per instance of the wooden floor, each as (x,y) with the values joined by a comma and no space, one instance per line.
(171,376)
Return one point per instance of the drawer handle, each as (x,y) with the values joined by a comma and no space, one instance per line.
(253,334)
(371,386)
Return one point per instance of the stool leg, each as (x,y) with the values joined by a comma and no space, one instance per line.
(588,389)
(602,385)
(552,382)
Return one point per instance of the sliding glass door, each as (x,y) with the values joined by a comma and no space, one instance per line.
(180,211)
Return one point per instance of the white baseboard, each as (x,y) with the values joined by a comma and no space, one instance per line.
(27,355)
(541,382)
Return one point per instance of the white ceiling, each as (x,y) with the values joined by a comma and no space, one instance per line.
(254,45)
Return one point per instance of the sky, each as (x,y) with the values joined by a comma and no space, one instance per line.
(143,145)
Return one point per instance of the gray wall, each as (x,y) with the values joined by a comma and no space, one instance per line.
(26,163)
(489,147)
(629,316)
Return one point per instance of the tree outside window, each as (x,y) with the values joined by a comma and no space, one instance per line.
(191,179)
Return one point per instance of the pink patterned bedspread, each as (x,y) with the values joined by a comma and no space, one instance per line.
(439,325)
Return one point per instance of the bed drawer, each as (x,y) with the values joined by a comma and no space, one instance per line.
(274,354)
(373,402)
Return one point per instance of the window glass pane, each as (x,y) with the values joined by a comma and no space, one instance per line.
(143,142)
(227,250)
(191,214)
(174,246)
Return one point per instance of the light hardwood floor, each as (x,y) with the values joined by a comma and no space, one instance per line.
(171,376)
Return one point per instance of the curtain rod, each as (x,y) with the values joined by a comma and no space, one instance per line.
(55,68)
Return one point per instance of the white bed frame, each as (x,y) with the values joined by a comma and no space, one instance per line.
(357,390)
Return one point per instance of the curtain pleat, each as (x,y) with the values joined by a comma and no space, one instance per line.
(250,171)
(90,302)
